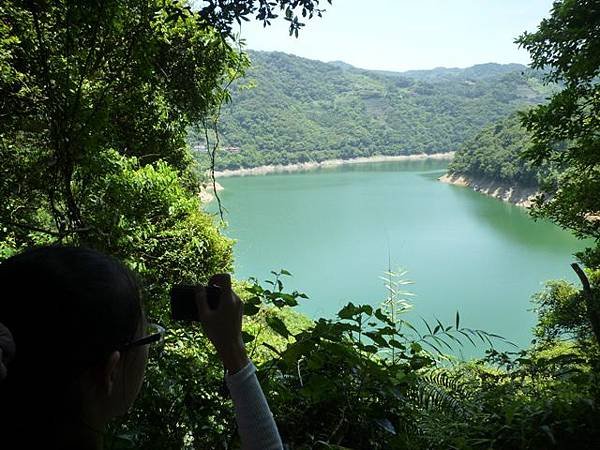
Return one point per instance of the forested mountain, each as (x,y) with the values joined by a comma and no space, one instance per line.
(494,154)
(478,71)
(301,110)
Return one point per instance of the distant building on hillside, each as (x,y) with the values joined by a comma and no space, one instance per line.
(232,149)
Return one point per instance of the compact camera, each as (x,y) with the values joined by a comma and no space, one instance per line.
(185,298)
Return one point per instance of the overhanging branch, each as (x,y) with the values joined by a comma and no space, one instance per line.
(591,305)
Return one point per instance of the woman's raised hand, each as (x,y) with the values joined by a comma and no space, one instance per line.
(223,325)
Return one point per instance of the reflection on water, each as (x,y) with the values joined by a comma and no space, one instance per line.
(515,223)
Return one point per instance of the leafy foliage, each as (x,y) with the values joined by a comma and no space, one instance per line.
(222,13)
(348,382)
(85,81)
(567,45)
(332,384)
(521,402)
(561,313)
(496,154)
(96,100)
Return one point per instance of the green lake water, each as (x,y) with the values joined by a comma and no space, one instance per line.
(334,228)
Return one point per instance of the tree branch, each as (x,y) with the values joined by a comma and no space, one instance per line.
(57,234)
(591,305)
(212,155)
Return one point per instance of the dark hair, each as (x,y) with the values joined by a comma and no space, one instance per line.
(67,308)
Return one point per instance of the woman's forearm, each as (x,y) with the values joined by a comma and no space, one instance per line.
(257,427)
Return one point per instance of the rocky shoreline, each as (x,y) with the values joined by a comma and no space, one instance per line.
(207,192)
(263,170)
(517,195)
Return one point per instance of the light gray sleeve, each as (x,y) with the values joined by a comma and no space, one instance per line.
(254,418)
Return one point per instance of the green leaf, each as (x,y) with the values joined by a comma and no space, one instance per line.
(382,316)
(277,325)
(394,343)
(289,299)
(247,337)
(427,325)
(348,311)
(377,338)
(367,309)
(351,311)
(415,347)
(250,309)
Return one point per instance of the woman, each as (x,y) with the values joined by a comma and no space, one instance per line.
(74,345)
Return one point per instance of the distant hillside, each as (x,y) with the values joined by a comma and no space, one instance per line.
(302,110)
(492,163)
(494,154)
(477,72)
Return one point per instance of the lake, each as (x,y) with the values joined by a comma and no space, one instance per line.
(335,229)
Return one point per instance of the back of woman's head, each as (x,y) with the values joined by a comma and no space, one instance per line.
(67,308)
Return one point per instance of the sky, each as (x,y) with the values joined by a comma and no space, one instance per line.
(408,34)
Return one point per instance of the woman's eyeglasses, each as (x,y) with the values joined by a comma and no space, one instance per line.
(154,334)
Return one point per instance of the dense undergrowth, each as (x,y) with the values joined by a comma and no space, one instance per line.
(365,381)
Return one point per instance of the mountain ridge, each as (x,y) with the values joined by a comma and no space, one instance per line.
(416,73)
(305,110)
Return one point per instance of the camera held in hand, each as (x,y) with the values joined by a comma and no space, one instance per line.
(186,297)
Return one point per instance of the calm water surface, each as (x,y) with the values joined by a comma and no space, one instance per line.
(334,229)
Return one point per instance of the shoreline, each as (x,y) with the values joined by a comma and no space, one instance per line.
(207,194)
(517,195)
(280,168)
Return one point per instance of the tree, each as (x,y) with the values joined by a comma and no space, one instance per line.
(565,131)
(84,82)
(95,102)
(222,13)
